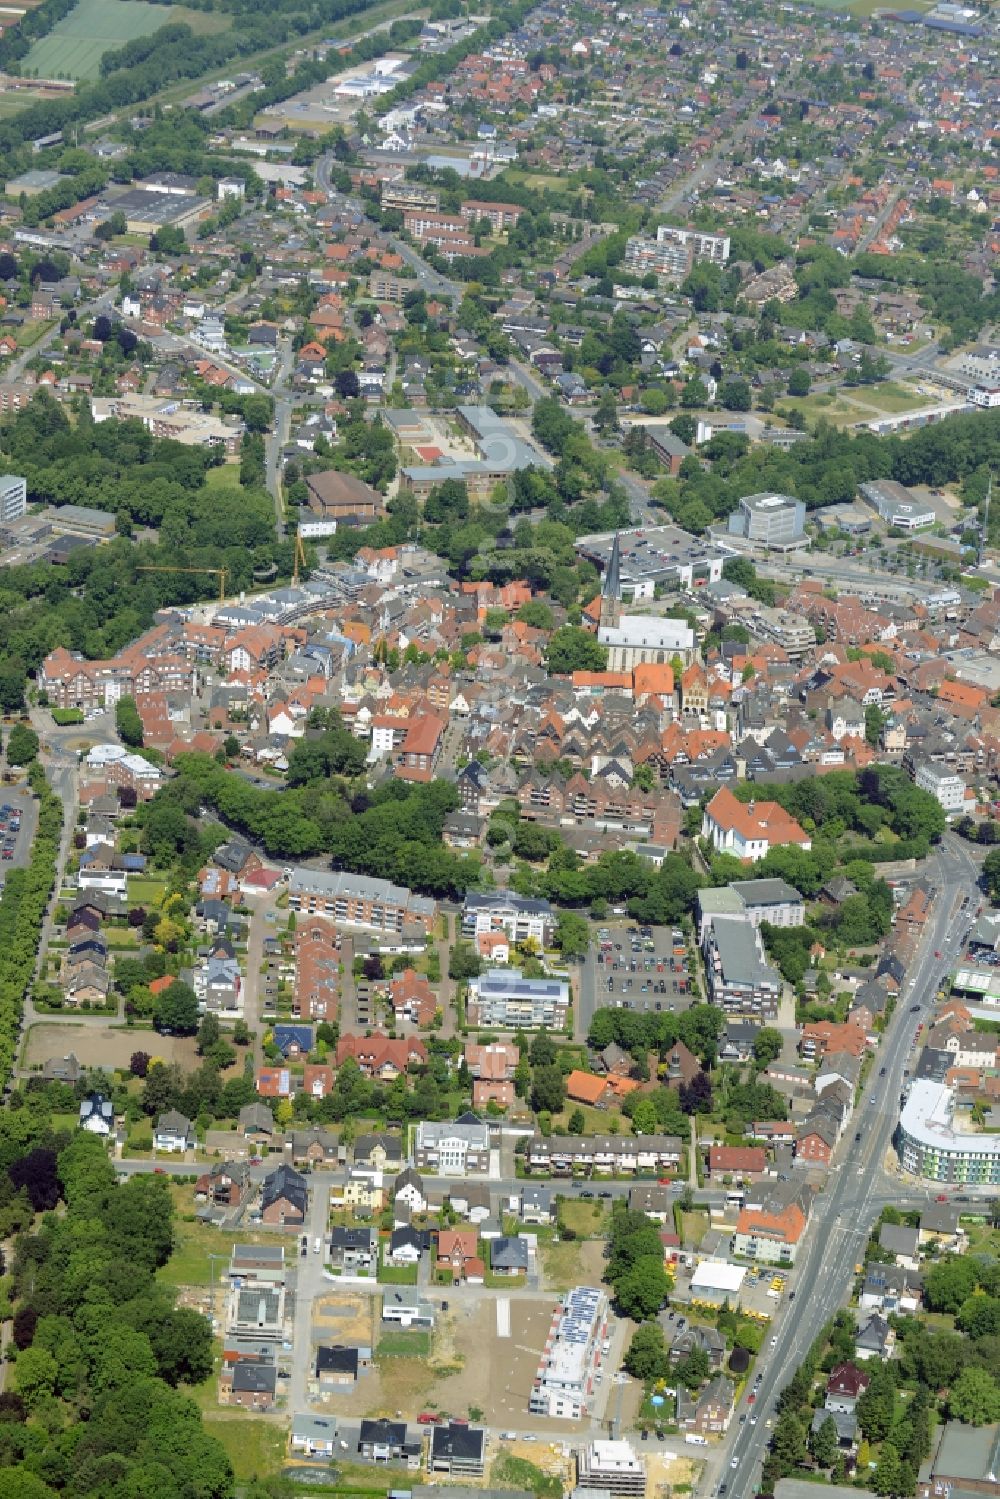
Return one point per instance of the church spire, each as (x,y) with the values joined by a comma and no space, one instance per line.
(612,591)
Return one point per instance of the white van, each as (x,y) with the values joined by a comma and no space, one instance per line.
(694,1440)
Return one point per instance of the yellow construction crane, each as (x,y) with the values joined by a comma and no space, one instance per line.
(300,558)
(219,572)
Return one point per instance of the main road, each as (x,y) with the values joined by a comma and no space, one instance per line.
(858,1183)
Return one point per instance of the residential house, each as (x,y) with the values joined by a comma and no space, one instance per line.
(875,1339)
(845,1386)
(173,1132)
(509,1256)
(902,1242)
(353,1248)
(284,1198)
(458,1252)
(708,1412)
(457,1449)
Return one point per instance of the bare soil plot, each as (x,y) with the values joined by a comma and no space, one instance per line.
(102,1045)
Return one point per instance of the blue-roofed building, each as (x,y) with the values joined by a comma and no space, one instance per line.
(293,1040)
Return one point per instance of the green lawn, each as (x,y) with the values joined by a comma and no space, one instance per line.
(146,890)
(190,1265)
(75,45)
(404,1345)
(887,397)
(226,476)
(254,1446)
(587,1220)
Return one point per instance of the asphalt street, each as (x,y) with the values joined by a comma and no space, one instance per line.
(859,1185)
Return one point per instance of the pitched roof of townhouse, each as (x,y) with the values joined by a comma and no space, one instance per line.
(787,1225)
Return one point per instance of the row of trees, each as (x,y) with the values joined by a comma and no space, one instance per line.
(22,909)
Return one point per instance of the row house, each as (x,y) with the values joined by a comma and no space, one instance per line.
(608,1154)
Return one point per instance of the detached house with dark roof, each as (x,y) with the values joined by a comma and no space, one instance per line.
(284,1198)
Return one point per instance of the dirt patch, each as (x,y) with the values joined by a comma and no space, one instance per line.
(663,1470)
(102,1046)
(469,1367)
(343,1319)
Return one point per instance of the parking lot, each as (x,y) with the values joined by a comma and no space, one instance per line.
(18,816)
(643,968)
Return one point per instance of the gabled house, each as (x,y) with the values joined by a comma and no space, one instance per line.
(875,1339)
(845,1386)
(284,1198)
(174,1132)
(353,1248)
(97,1115)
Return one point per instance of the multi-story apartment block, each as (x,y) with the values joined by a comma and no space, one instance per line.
(566,1380)
(504,997)
(452,1149)
(357,900)
(740,980)
(565,1154)
(523,918)
(13,497)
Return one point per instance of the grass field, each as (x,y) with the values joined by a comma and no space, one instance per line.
(74,47)
(226,476)
(255,1447)
(191,1263)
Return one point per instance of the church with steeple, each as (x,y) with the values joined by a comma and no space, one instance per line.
(633,639)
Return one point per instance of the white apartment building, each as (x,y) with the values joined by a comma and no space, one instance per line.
(566,1380)
(945,785)
(13,497)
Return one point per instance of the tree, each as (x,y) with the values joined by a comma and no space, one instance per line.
(641,1290)
(177,1010)
(647,1357)
(950,1282)
(974,1397)
(799,383)
(36,1173)
(694,394)
(209,1033)
(823,1443)
(886,1477)
(139,1063)
(876,1406)
(735,394)
(128,723)
(577,1122)
(606,412)
(37,1372)
(767,1045)
(463,962)
(572,649)
(789,1440)
(548,1089)
(22,745)
(572,934)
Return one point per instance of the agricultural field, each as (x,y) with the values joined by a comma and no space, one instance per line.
(75,46)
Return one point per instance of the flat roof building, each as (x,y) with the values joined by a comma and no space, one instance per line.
(896,505)
(930,1146)
(740,979)
(14,498)
(613,1467)
(504,997)
(774,520)
(649,555)
(565,1383)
